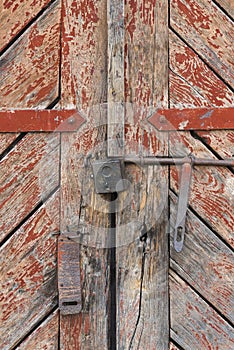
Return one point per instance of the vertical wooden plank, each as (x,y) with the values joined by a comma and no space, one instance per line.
(116,95)
(84,86)
(142,266)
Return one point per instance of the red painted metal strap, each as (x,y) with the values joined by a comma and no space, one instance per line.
(193,119)
(40,120)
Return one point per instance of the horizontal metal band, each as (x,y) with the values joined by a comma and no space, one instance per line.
(40,120)
(193,119)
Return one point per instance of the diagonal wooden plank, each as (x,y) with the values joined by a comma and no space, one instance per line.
(183,95)
(221,142)
(45,336)
(29,173)
(210,190)
(205,262)
(15,15)
(226,5)
(188,66)
(6,139)
(195,325)
(28,275)
(30,68)
(208,31)
(173,347)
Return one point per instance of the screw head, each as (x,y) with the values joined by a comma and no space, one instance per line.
(162,119)
(71,120)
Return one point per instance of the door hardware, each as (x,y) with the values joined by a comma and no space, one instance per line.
(108,178)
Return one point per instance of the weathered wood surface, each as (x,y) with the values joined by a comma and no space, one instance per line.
(28,174)
(209,31)
(146,88)
(227,6)
(28,275)
(205,262)
(116,91)
(84,85)
(195,325)
(30,68)
(15,15)
(210,194)
(220,142)
(205,87)
(182,94)
(173,347)
(6,140)
(44,337)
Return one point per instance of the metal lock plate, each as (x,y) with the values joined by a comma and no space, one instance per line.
(108,176)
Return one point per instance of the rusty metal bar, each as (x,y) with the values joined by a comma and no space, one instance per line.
(144,161)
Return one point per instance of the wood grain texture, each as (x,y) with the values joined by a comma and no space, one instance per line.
(173,347)
(205,262)
(30,68)
(29,173)
(190,69)
(84,48)
(211,194)
(183,95)
(146,53)
(28,275)
(116,91)
(15,15)
(209,31)
(44,337)
(220,141)
(227,5)
(6,139)
(195,325)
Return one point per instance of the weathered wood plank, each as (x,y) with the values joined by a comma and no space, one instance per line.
(116,91)
(209,31)
(15,15)
(44,337)
(30,68)
(183,95)
(227,5)
(84,85)
(220,141)
(27,175)
(173,347)
(187,65)
(28,275)
(146,88)
(205,263)
(195,325)
(210,193)
(84,47)
(146,53)
(6,139)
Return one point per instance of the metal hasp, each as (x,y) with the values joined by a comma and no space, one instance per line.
(185,182)
(108,176)
(69,276)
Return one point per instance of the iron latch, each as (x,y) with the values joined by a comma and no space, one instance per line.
(108,178)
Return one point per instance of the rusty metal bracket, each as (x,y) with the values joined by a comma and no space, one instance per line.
(69,284)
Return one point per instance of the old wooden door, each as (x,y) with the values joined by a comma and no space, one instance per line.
(109,60)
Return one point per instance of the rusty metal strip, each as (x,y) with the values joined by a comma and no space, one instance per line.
(40,120)
(193,119)
(69,276)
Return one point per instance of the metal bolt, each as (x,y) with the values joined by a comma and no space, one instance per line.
(162,119)
(71,120)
